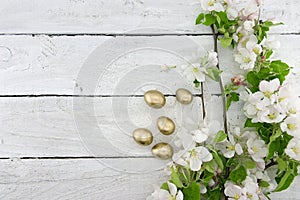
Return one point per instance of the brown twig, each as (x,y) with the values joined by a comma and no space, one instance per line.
(215,35)
(202,99)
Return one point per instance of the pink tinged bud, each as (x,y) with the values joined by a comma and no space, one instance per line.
(238,80)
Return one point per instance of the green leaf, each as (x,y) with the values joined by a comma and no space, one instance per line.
(209,166)
(220,136)
(213,73)
(164,186)
(275,135)
(214,194)
(200,18)
(264,184)
(175,179)
(207,177)
(272,148)
(192,192)
(196,83)
(280,70)
(249,164)
(253,80)
(248,123)
(238,174)
(222,16)
(281,164)
(285,181)
(206,19)
(218,160)
(225,41)
(232,96)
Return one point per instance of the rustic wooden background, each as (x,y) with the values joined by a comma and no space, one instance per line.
(43,46)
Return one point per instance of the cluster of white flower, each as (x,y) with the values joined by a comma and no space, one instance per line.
(192,155)
(274,103)
(245,9)
(251,142)
(248,48)
(161,194)
(248,190)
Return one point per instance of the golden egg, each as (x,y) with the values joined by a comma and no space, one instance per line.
(162,150)
(142,136)
(184,96)
(155,99)
(165,125)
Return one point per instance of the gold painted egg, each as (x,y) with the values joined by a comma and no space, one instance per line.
(184,96)
(154,99)
(162,150)
(165,125)
(142,136)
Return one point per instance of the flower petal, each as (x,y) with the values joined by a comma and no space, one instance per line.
(179,195)
(172,188)
(195,164)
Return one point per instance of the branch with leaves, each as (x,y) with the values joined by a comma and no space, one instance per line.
(261,157)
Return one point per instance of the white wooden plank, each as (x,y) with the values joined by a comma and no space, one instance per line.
(88,179)
(76,179)
(101,127)
(54,65)
(120,16)
(50,65)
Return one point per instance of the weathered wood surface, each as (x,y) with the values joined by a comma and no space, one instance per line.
(44,45)
(50,65)
(121,16)
(86,179)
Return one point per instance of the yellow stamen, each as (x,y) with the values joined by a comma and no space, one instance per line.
(230,147)
(246,60)
(211,3)
(267,94)
(295,150)
(292,127)
(254,149)
(271,116)
(237,197)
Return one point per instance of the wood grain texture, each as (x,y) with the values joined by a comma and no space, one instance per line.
(61,122)
(101,127)
(121,16)
(86,179)
(109,66)
(50,65)
(75,179)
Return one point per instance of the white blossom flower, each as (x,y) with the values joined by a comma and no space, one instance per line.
(234,192)
(212,5)
(210,59)
(270,115)
(185,139)
(257,149)
(293,149)
(250,10)
(251,188)
(230,147)
(269,87)
(244,31)
(161,194)
(197,156)
(199,136)
(193,71)
(231,9)
(193,158)
(245,58)
(290,125)
(270,42)
(252,45)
